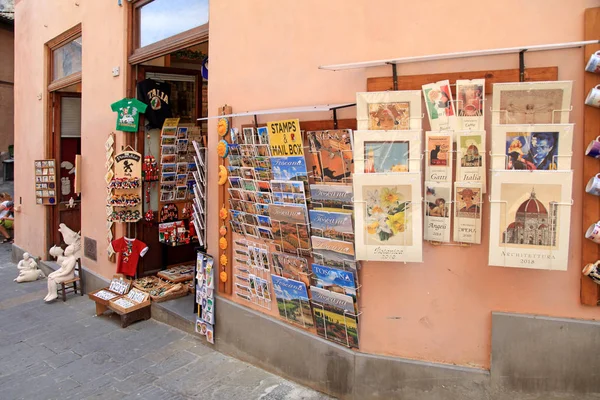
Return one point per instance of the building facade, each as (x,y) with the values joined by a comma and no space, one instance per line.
(442,329)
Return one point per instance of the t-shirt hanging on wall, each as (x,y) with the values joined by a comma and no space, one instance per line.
(129,114)
(130,251)
(157,95)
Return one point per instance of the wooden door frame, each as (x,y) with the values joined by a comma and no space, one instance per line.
(55,153)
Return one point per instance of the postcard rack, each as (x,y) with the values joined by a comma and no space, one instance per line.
(252,280)
(199,190)
(321,322)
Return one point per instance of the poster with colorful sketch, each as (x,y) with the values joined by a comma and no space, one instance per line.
(332,155)
(379,151)
(390,110)
(470,98)
(467,212)
(285,138)
(440,107)
(542,147)
(530,221)
(470,157)
(438,210)
(292,301)
(389,220)
(438,157)
(531,103)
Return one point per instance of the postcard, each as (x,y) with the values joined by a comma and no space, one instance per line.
(335,280)
(467,212)
(338,198)
(292,301)
(166,150)
(531,103)
(248,135)
(470,99)
(334,253)
(265,233)
(169,168)
(438,209)
(263,135)
(289,168)
(249,184)
(262,150)
(235,194)
(389,220)
(264,198)
(440,107)
(262,286)
(262,209)
(290,227)
(335,318)
(168,141)
(331,225)
(290,266)
(263,221)
(542,147)
(169,177)
(264,186)
(530,221)
(250,230)
(182,179)
(470,157)
(168,159)
(285,138)
(249,207)
(390,110)
(182,168)
(181,193)
(380,151)
(263,255)
(332,155)
(438,157)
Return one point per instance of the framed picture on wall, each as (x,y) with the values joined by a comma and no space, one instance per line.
(531,103)
(389,111)
(381,151)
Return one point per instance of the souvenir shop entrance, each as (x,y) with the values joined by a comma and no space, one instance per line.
(175,87)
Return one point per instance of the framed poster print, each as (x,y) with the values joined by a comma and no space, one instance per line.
(388,217)
(467,212)
(438,156)
(440,106)
(470,99)
(531,103)
(545,147)
(382,152)
(438,211)
(389,111)
(470,157)
(530,219)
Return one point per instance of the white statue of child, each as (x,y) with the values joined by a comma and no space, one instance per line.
(64,273)
(28,271)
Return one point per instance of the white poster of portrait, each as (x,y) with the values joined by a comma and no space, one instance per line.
(531,103)
(438,156)
(388,217)
(470,100)
(381,151)
(470,157)
(389,111)
(467,212)
(530,219)
(438,211)
(545,147)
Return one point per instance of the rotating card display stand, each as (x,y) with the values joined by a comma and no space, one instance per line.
(109,147)
(199,190)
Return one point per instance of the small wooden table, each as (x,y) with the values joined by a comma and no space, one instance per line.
(141,314)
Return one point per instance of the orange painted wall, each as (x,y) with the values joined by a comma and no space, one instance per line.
(266,54)
(104,28)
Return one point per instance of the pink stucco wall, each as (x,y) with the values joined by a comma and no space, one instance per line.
(103,27)
(266,54)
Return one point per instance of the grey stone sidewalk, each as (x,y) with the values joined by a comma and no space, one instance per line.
(63,351)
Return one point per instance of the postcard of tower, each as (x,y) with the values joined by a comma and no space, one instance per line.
(531,103)
(530,219)
(438,156)
(467,212)
(470,157)
(389,111)
(542,147)
(438,211)
(388,217)
(470,99)
(380,151)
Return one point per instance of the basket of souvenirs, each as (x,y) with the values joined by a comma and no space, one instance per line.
(168,291)
(180,273)
(148,283)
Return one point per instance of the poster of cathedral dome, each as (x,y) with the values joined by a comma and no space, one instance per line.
(530,219)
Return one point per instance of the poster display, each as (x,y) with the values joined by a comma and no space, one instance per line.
(45,182)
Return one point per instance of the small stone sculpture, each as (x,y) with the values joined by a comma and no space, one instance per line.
(28,270)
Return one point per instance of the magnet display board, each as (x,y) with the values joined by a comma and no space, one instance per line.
(45,182)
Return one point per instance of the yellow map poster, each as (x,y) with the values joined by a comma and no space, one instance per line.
(285,138)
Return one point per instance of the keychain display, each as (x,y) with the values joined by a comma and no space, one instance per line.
(124,216)
(124,183)
(125,200)
(150,169)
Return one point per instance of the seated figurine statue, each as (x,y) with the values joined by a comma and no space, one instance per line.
(28,271)
(64,273)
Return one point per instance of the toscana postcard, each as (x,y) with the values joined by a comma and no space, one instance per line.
(380,151)
(389,111)
(331,197)
(334,253)
(389,219)
(292,301)
(331,225)
(332,155)
(438,210)
(289,168)
(290,266)
(334,316)
(335,280)
(470,157)
(530,219)
(289,225)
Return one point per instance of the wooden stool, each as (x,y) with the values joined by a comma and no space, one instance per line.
(70,286)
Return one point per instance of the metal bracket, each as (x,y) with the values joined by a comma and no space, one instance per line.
(522,65)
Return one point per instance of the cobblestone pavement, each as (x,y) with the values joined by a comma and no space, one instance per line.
(63,351)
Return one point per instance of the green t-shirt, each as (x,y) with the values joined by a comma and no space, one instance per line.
(129,114)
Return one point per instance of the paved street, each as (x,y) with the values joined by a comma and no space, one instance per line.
(63,351)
